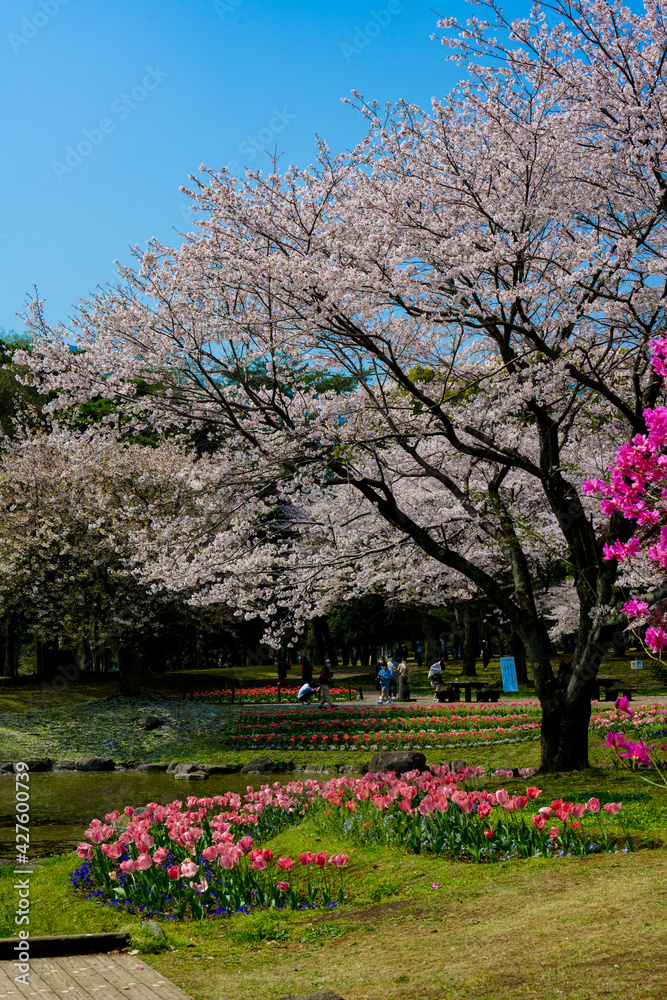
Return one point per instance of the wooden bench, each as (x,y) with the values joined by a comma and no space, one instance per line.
(612,693)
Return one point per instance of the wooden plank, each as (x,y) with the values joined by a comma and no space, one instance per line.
(46,974)
(89,977)
(150,977)
(125,980)
(65,944)
(8,988)
(89,980)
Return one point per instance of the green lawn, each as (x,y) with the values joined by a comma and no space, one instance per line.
(419,926)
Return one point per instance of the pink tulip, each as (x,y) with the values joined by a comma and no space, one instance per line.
(338,859)
(578,810)
(539,821)
(129,811)
(160,855)
(174,873)
(612,808)
(189,869)
(306,858)
(593,805)
(128,865)
(484,809)
(283,886)
(210,853)
(112,817)
(501,796)
(143,863)
(245,843)
(259,864)
(489,834)
(546,811)
(533,792)
(320,859)
(284,864)
(86,852)
(554,832)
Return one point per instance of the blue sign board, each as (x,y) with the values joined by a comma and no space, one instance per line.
(508,671)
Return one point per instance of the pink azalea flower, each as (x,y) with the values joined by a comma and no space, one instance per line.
(635,608)
(614,740)
(622,704)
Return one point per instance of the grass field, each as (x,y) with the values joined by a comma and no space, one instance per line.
(417,926)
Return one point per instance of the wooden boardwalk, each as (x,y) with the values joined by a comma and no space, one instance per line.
(104,977)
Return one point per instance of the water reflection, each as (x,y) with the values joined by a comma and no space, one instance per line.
(62,803)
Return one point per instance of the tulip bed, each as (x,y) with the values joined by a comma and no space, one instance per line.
(264,695)
(201,860)
(391,729)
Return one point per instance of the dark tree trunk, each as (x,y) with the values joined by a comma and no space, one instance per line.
(10,650)
(129,658)
(518,651)
(345,655)
(329,644)
(564,735)
(318,641)
(470,643)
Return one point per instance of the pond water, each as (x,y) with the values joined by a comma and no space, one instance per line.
(62,803)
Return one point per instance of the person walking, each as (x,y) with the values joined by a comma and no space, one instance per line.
(380,665)
(385,677)
(403,681)
(435,677)
(419,655)
(393,683)
(486,653)
(326,677)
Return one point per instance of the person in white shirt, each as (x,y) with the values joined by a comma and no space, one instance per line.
(435,677)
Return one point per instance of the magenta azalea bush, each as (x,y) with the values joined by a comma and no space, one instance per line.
(203,859)
(636,754)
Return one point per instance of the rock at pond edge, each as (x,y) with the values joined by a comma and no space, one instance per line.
(398,761)
(95,764)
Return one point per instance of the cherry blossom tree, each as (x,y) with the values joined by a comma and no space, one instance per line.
(409,356)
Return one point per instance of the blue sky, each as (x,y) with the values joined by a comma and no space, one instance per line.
(111,104)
